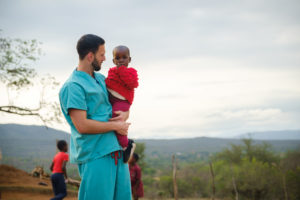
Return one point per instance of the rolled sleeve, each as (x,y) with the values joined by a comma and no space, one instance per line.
(73,96)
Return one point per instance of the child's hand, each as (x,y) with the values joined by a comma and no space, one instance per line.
(122,116)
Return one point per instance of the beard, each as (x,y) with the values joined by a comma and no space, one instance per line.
(96,65)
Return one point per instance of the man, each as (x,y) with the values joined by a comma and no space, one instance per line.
(93,146)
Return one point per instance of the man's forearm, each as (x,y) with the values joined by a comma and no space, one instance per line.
(89,126)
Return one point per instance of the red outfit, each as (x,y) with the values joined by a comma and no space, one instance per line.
(136,178)
(122,105)
(122,80)
(58,161)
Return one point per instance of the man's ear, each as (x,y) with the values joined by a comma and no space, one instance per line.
(90,57)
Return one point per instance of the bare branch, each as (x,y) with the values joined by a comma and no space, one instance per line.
(19,111)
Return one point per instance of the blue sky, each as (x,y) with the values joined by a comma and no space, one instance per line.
(207,68)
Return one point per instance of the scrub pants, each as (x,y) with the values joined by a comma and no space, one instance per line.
(105,178)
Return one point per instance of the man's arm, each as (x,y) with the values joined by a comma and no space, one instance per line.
(123,116)
(89,126)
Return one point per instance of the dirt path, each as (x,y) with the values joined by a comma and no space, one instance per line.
(16,184)
(28,196)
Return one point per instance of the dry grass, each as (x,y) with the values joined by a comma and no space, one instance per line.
(181,199)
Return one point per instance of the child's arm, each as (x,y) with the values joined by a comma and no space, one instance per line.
(64,169)
(51,167)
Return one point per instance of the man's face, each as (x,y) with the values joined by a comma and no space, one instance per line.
(99,57)
(121,57)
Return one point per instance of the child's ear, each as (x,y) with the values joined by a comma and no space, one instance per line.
(129,59)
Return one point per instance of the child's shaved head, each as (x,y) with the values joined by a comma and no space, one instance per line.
(121,48)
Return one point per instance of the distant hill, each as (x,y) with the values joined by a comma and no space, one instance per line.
(38,143)
(28,140)
(274,135)
(23,141)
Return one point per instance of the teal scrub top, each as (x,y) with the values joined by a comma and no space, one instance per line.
(82,91)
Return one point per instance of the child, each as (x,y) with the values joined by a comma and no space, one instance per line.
(136,177)
(121,82)
(58,168)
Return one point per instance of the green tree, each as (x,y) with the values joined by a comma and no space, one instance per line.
(166,186)
(250,168)
(16,58)
(236,153)
(140,150)
(290,171)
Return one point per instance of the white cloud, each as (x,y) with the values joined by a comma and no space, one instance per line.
(205,67)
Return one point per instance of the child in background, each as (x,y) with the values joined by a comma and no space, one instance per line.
(58,168)
(121,82)
(136,177)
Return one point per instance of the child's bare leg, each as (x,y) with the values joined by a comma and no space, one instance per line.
(128,152)
(132,150)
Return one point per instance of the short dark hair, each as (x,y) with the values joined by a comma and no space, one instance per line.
(61,144)
(88,43)
(136,156)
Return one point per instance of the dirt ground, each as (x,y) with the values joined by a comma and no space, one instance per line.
(16,184)
(28,196)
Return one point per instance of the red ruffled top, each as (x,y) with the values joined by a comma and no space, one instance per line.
(123,80)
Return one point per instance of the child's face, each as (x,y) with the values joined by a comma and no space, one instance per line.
(66,148)
(132,160)
(121,57)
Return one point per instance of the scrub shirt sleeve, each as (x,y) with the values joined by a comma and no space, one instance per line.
(73,96)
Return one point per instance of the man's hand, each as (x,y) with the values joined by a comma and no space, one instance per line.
(122,127)
(122,116)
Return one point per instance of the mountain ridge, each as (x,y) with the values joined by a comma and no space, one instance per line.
(41,141)
(26,146)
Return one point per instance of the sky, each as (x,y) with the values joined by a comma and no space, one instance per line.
(206,68)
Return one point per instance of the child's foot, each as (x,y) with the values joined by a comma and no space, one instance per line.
(129,150)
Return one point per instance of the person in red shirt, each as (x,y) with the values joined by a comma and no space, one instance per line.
(59,176)
(121,82)
(136,177)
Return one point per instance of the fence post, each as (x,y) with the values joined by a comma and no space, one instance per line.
(174,161)
(213,181)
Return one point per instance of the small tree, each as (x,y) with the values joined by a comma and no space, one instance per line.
(16,57)
(140,150)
